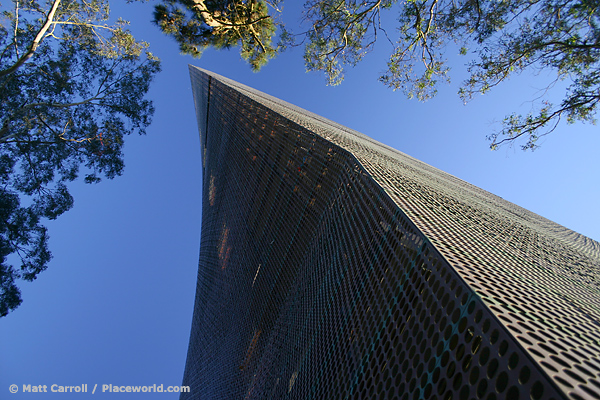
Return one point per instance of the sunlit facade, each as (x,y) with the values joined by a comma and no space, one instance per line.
(332,266)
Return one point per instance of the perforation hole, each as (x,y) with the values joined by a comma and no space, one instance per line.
(524,375)
(501,382)
(537,391)
(513,361)
(492,368)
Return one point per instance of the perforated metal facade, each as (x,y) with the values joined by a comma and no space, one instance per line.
(333,267)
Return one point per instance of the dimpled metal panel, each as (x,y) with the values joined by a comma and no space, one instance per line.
(332,266)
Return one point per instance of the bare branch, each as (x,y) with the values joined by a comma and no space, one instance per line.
(16,26)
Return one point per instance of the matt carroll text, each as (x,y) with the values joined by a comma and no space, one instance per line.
(83,388)
(55,388)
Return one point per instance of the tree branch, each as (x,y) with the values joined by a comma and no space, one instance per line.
(16,27)
(213,22)
(62,105)
(36,42)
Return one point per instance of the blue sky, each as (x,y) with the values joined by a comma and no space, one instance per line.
(115,305)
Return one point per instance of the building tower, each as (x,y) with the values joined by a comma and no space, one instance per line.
(333,267)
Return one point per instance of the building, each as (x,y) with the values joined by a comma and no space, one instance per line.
(332,266)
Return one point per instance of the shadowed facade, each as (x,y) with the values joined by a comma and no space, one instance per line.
(333,266)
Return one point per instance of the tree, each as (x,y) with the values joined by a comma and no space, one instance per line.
(506,37)
(199,24)
(72,87)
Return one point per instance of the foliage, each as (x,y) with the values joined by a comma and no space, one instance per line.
(342,32)
(199,24)
(505,37)
(72,86)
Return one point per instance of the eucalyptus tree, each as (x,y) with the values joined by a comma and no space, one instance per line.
(71,87)
(499,38)
(199,24)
